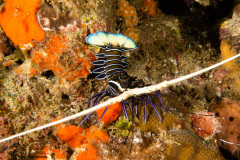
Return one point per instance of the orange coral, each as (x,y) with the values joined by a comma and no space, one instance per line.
(84,144)
(87,153)
(96,135)
(92,135)
(226,52)
(8,63)
(18,20)
(131,19)
(26,68)
(70,66)
(26,47)
(111,114)
(71,135)
(150,6)
(132,33)
(125,9)
(58,154)
(33,71)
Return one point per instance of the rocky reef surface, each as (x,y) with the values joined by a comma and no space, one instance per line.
(45,74)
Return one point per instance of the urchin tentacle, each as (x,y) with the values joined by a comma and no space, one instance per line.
(129,106)
(150,99)
(124,109)
(165,108)
(96,96)
(102,114)
(133,103)
(100,98)
(144,111)
(95,101)
(84,119)
(160,101)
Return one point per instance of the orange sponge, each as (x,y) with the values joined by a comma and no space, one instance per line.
(228,52)
(71,135)
(87,153)
(75,137)
(82,141)
(64,64)
(96,135)
(150,6)
(18,20)
(133,33)
(111,114)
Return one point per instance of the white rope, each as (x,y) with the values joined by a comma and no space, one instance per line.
(123,96)
(229,142)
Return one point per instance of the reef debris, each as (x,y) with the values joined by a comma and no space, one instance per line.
(205,124)
(6,148)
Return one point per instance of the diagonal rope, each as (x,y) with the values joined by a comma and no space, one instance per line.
(123,96)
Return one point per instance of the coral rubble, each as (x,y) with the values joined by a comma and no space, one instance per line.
(6,148)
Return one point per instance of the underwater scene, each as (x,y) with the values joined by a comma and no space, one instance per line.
(59,58)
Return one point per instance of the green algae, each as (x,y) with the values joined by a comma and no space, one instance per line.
(122,127)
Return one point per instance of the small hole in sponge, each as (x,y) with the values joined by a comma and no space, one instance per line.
(64,96)
(19,62)
(48,74)
(231,118)
(231,133)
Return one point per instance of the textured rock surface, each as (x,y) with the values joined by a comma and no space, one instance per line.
(229,112)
